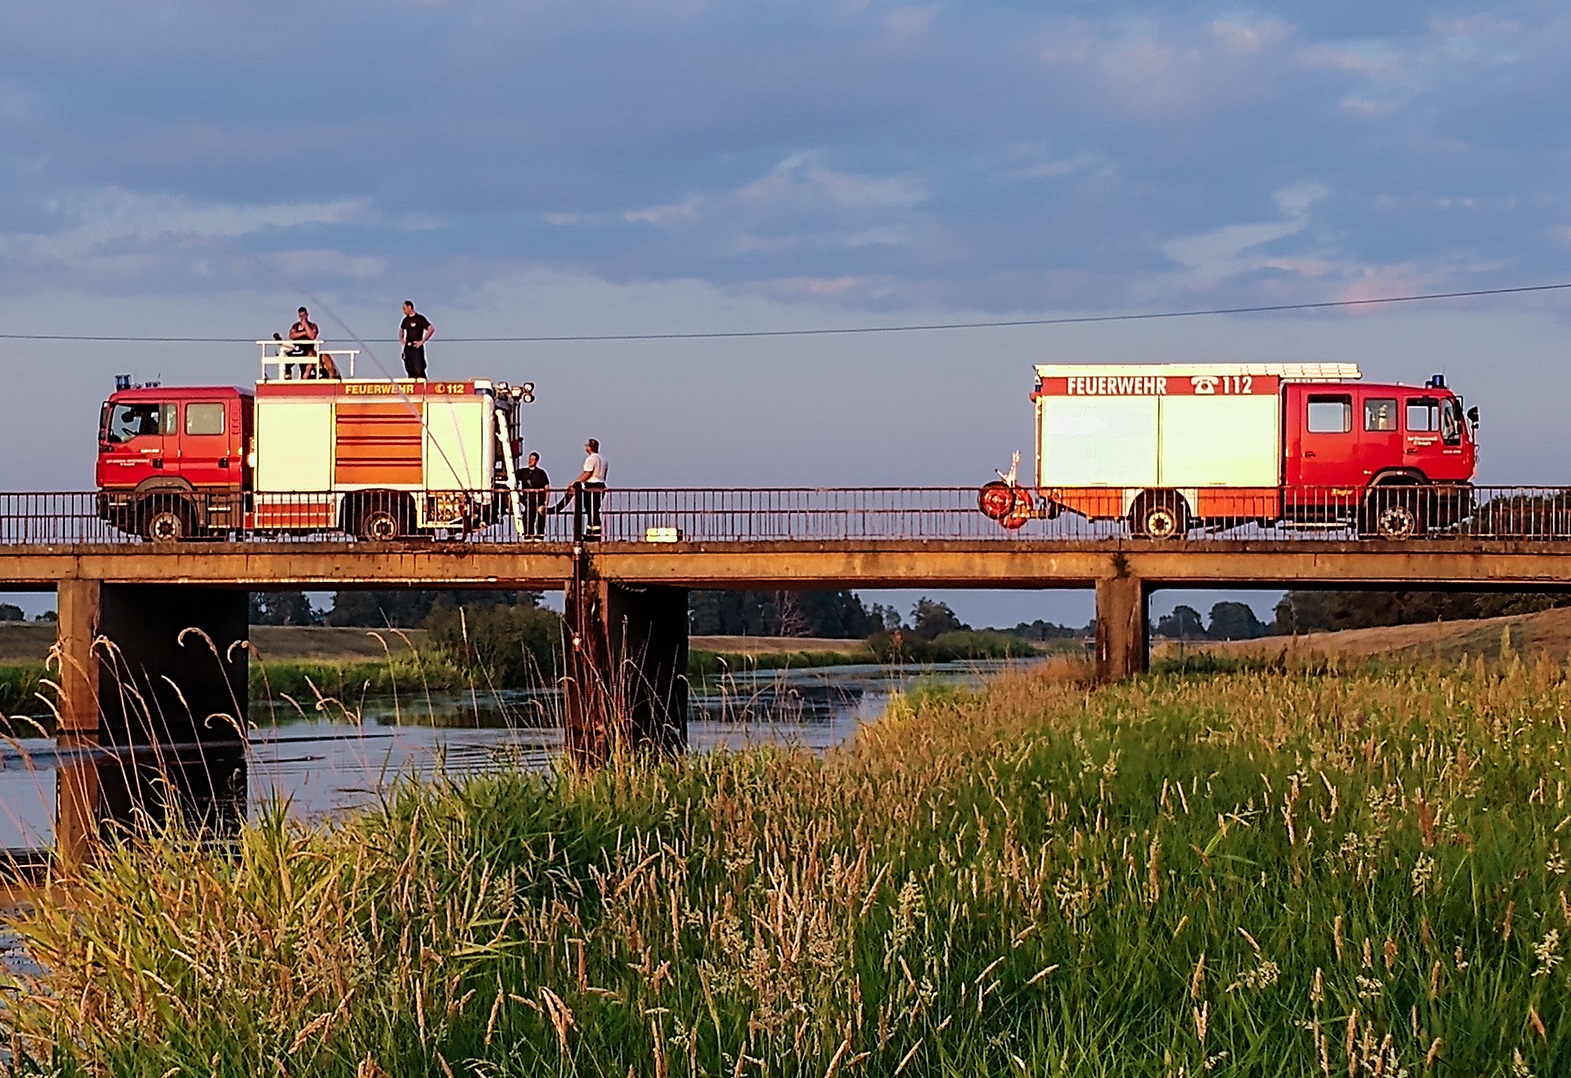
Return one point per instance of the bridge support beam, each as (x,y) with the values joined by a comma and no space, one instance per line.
(626,679)
(1122,641)
(154,697)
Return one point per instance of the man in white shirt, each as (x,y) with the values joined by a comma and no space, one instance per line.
(590,486)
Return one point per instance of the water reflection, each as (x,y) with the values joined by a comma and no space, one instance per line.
(326,761)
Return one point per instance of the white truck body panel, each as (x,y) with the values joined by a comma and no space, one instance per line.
(294,445)
(1098,441)
(459,448)
(1219,441)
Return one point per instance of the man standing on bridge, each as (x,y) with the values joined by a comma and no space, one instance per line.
(534,483)
(590,488)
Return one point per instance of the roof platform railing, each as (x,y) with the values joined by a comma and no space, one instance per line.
(289,361)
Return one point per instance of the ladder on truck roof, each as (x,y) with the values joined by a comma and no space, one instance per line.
(1292,372)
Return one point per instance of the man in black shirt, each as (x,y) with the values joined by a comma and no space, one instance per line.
(303,330)
(413,332)
(534,483)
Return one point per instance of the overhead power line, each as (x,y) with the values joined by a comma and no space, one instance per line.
(1066,320)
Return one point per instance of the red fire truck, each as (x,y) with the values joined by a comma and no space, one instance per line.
(376,458)
(1167,448)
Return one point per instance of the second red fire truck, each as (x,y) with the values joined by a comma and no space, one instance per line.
(377,458)
(1167,448)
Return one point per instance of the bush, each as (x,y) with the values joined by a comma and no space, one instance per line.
(959,645)
(506,646)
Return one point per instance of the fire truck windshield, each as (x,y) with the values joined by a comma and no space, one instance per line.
(127,421)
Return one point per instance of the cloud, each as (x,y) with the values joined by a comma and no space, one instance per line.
(981,154)
(806,178)
(114,213)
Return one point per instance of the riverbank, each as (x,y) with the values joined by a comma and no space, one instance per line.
(311,663)
(1288,874)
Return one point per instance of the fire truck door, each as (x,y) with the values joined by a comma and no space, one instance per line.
(132,450)
(1379,436)
(208,456)
(1322,442)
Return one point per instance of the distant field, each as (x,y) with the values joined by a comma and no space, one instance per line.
(1546,634)
(30,641)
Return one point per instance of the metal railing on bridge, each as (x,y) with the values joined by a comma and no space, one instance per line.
(996,514)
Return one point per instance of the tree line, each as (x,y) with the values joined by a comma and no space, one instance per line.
(843,614)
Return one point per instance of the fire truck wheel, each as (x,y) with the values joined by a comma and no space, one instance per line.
(1396,520)
(1160,517)
(996,500)
(169,525)
(379,525)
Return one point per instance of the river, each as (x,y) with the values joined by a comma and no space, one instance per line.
(322,764)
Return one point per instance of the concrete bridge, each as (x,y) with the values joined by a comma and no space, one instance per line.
(153,667)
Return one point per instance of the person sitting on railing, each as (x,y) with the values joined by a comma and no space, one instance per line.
(589,487)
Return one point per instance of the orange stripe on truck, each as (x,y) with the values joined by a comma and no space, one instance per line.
(378,443)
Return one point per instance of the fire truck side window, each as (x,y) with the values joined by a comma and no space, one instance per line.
(1423,415)
(127,421)
(1330,415)
(1450,427)
(204,418)
(1380,414)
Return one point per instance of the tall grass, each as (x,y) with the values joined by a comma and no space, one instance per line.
(19,689)
(305,679)
(1259,874)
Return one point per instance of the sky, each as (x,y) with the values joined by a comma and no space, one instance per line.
(549,168)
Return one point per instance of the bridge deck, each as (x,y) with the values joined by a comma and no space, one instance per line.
(813,563)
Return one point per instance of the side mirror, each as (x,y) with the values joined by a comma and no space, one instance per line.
(1472,415)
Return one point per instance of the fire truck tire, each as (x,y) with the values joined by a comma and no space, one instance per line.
(997,500)
(1160,516)
(379,524)
(167,524)
(1395,519)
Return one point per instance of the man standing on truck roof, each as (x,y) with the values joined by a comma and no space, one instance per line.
(413,332)
(590,487)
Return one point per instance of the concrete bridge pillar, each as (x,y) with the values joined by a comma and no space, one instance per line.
(154,695)
(1122,641)
(626,679)
(76,738)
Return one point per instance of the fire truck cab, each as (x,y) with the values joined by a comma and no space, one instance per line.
(1170,447)
(376,458)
